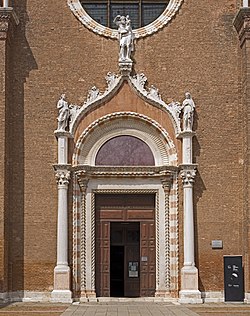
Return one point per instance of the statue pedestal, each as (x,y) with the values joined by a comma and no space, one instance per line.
(125,67)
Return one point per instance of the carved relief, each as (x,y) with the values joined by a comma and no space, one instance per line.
(93,94)
(73,112)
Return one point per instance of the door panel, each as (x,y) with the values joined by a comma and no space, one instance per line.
(103,258)
(148,268)
(125,235)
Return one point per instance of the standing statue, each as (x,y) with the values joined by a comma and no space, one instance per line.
(126,37)
(188,107)
(63,117)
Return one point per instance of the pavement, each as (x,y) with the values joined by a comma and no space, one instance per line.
(124,309)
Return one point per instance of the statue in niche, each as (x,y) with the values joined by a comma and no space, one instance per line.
(126,37)
(188,107)
(63,117)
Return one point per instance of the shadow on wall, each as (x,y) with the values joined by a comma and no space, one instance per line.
(20,63)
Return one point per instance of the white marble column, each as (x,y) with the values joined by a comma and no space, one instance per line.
(245,3)
(61,292)
(189,273)
(5,3)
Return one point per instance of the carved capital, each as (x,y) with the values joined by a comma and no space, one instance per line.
(62,177)
(188,175)
(8,20)
(83,183)
(166,185)
(242,24)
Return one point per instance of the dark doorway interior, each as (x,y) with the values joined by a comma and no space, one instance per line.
(125,259)
(117,271)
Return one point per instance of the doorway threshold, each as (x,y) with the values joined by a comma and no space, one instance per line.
(133,299)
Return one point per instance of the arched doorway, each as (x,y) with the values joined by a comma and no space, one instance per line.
(150,262)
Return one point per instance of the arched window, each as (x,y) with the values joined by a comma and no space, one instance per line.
(125,151)
(141,12)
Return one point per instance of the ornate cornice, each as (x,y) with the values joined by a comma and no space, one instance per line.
(87,172)
(8,21)
(242,24)
(156,25)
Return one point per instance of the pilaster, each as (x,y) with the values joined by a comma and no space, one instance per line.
(8,22)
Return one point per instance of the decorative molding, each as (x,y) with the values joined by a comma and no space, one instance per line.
(137,82)
(156,25)
(125,191)
(153,96)
(129,123)
(83,171)
(62,177)
(83,183)
(166,184)
(93,243)
(157,238)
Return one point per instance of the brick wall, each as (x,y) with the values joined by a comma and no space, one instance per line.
(53,53)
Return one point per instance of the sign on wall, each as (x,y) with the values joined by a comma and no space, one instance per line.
(233,279)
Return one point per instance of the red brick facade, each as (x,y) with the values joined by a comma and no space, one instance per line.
(50,52)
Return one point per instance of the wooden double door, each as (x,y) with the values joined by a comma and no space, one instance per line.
(125,251)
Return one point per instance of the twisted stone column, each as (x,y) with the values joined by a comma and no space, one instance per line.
(83,183)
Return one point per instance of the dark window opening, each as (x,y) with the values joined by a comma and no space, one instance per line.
(125,151)
(141,12)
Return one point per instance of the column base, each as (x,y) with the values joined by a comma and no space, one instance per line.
(61,296)
(62,278)
(162,293)
(87,296)
(190,297)
(189,293)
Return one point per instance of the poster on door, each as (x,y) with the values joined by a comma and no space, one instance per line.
(133,269)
